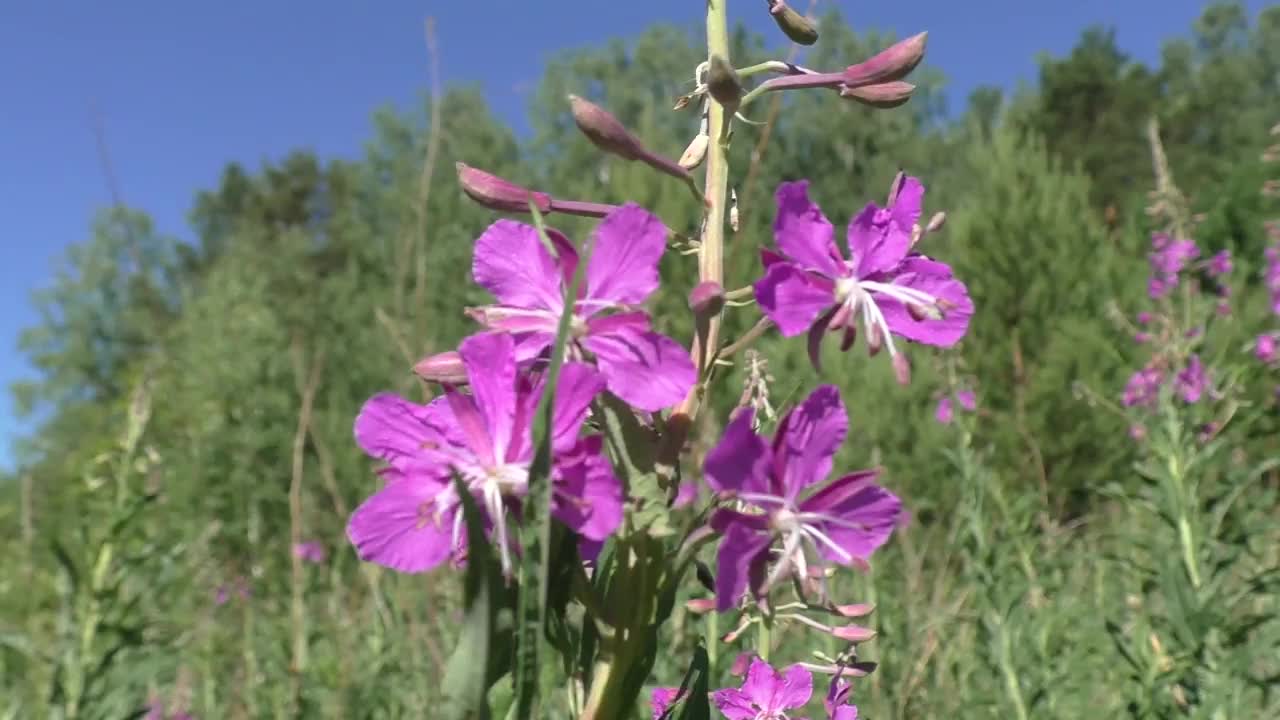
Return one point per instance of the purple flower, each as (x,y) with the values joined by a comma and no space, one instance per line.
(1220,264)
(944,414)
(661,700)
(893,290)
(1192,380)
(1142,338)
(414,522)
(1169,257)
(766,694)
(311,551)
(836,701)
(221,595)
(967,400)
(647,370)
(1264,348)
(1144,317)
(843,522)
(1143,387)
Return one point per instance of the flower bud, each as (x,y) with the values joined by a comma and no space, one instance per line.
(883,96)
(856,610)
(741,663)
(706,298)
(496,193)
(893,63)
(723,83)
(902,369)
(604,130)
(694,154)
(700,606)
(936,222)
(795,26)
(445,367)
(853,633)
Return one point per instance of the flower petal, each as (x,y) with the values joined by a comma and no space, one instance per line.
(395,430)
(491,368)
(511,262)
(808,439)
(761,684)
(396,527)
(733,704)
(862,513)
(935,279)
(577,386)
(588,496)
(803,233)
(792,298)
(661,699)
(647,370)
(793,689)
(741,460)
(908,204)
(638,321)
(739,562)
(876,243)
(623,267)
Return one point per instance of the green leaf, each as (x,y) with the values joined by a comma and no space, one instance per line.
(633,449)
(535,530)
(694,688)
(466,681)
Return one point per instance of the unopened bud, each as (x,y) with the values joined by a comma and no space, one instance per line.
(856,610)
(445,367)
(883,96)
(936,222)
(706,298)
(697,150)
(741,663)
(902,369)
(893,63)
(496,193)
(604,130)
(700,606)
(795,26)
(853,633)
(723,83)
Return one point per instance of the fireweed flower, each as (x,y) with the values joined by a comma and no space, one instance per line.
(647,370)
(1220,264)
(311,551)
(945,412)
(843,522)
(894,291)
(1192,380)
(1168,258)
(1264,348)
(766,694)
(836,701)
(1143,387)
(415,523)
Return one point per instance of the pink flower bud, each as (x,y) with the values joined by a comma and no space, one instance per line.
(706,298)
(496,193)
(856,610)
(741,663)
(445,367)
(607,133)
(893,63)
(853,633)
(700,606)
(882,96)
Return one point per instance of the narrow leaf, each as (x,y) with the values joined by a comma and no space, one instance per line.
(466,681)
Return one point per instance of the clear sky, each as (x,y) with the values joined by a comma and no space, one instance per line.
(185,87)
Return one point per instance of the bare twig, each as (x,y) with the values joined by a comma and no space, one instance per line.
(308,384)
(424,182)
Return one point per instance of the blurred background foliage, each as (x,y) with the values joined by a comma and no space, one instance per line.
(197,397)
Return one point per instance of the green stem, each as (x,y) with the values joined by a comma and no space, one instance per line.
(764,638)
(711,252)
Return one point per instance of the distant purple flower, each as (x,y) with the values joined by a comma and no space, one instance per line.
(967,400)
(944,414)
(311,551)
(766,694)
(1137,432)
(1223,309)
(836,702)
(647,370)
(1220,264)
(843,522)
(1264,348)
(894,291)
(414,523)
(1144,317)
(1142,338)
(221,595)
(1271,276)
(1192,380)
(661,700)
(1143,387)
(1168,258)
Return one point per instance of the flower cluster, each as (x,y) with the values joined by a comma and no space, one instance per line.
(1168,259)
(311,551)
(945,411)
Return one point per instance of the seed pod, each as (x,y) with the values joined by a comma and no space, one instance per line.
(795,26)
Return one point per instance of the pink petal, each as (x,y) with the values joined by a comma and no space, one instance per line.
(396,527)
(578,385)
(623,267)
(876,243)
(794,689)
(856,499)
(647,370)
(927,276)
(588,496)
(511,262)
(761,684)
(734,704)
(803,233)
(395,430)
(739,561)
(741,460)
(944,413)
(638,321)
(471,424)
(491,368)
(809,439)
(909,203)
(792,298)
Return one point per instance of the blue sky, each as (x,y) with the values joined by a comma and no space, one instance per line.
(185,87)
